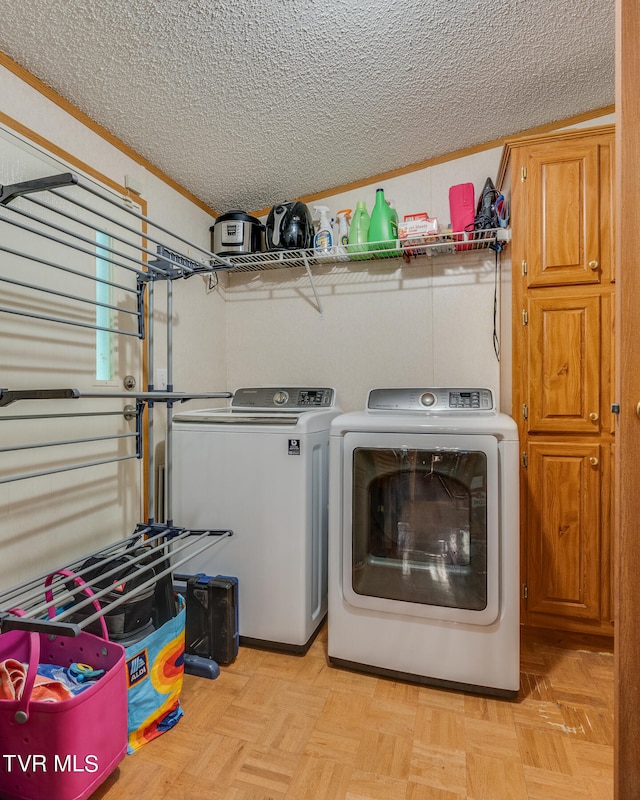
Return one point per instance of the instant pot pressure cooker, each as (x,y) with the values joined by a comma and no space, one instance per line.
(236,233)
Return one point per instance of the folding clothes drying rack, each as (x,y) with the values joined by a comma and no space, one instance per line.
(63,209)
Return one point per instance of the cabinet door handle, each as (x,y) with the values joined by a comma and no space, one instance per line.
(593,265)
(593,461)
(593,416)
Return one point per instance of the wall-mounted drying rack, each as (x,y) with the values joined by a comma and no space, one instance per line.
(64,212)
(142,400)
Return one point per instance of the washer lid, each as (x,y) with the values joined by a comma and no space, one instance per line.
(220,417)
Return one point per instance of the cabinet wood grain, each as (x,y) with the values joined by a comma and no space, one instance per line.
(563,242)
(564,364)
(564,507)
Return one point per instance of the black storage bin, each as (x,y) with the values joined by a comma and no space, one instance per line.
(212,617)
(164,602)
(130,617)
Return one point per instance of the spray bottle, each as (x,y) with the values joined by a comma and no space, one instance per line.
(394,214)
(394,224)
(323,240)
(343,218)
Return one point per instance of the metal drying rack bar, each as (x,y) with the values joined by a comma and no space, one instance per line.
(8,397)
(173,264)
(27,608)
(155,549)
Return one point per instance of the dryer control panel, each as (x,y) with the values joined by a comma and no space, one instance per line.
(289,398)
(440,399)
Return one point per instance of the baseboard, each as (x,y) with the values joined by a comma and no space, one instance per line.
(568,640)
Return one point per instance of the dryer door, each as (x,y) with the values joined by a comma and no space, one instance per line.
(421,526)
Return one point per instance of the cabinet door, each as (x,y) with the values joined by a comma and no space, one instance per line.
(564,530)
(563,227)
(564,364)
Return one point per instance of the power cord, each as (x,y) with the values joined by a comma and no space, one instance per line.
(497,247)
(212,281)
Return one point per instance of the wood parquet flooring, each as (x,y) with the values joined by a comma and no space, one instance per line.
(284,727)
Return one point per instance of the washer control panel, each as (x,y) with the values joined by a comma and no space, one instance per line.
(439,399)
(287,398)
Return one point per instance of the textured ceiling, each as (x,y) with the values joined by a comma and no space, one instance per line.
(248,103)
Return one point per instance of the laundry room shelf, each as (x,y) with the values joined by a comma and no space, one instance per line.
(408,249)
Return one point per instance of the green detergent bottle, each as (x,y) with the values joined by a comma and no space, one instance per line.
(383,234)
(359,233)
(394,224)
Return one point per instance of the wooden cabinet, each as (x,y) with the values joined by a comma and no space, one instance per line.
(563,508)
(563,336)
(563,213)
(562,347)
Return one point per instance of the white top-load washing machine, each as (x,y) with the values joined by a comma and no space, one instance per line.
(423,539)
(260,468)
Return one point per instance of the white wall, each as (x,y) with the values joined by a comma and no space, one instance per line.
(384,323)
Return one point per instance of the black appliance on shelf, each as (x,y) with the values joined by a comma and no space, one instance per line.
(289,227)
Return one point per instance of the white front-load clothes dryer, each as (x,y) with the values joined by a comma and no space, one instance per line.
(260,469)
(423,540)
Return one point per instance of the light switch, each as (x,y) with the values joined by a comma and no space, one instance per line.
(161,378)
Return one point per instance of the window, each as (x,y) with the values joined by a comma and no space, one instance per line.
(104,343)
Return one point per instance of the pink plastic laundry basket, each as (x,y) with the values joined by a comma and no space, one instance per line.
(63,750)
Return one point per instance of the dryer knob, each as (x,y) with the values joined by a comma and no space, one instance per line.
(280,398)
(428,399)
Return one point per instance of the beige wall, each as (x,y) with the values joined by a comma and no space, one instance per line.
(384,323)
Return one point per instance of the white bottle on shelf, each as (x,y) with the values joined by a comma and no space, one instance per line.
(343,218)
(323,240)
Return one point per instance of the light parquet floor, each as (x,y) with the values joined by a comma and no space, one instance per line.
(290,727)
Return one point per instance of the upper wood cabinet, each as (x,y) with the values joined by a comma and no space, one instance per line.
(563,242)
(567,207)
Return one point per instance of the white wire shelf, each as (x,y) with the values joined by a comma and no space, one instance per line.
(408,249)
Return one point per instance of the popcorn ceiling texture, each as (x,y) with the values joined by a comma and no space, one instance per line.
(248,103)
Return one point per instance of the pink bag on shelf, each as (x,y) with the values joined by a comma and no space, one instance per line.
(62,750)
(462,208)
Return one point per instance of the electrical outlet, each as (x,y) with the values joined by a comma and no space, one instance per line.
(161,379)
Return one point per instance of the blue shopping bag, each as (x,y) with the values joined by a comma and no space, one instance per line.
(155,670)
